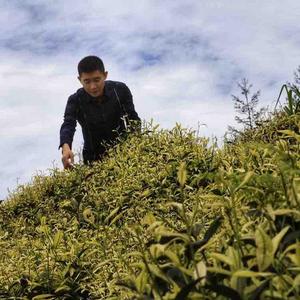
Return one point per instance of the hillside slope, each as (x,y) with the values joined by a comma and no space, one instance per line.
(164,216)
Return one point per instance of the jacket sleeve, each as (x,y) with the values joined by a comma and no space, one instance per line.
(127,102)
(68,127)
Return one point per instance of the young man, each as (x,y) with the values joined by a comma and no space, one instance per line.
(99,107)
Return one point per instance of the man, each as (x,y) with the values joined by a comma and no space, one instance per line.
(102,107)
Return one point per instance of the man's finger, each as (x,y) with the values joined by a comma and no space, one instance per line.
(67,165)
(65,162)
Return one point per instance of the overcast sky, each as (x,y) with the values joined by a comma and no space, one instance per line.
(181,60)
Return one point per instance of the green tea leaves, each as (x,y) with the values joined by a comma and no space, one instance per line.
(182,174)
(264,250)
(163,216)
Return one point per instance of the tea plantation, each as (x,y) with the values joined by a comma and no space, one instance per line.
(165,215)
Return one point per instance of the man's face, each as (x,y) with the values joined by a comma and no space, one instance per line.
(93,82)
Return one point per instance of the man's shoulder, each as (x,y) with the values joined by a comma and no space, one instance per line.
(75,96)
(113,83)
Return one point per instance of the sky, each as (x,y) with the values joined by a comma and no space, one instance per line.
(181,60)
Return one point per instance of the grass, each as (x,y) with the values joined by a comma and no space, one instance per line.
(166,215)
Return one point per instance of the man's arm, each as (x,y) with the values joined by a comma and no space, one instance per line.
(127,102)
(67,131)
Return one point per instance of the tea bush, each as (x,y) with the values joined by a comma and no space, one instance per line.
(165,215)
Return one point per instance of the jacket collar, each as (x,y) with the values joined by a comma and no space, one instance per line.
(107,93)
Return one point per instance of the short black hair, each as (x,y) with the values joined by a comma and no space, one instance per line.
(90,63)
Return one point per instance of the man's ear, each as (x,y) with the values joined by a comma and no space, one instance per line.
(105,74)
(79,78)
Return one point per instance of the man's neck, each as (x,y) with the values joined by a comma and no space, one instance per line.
(98,99)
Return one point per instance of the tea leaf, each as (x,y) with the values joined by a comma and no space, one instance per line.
(182,174)
(290,133)
(218,271)
(43,296)
(112,214)
(247,273)
(172,256)
(277,239)
(246,179)
(223,258)
(264,250)
(296,283)
(141,281)
(148,219)
(214,226)
(57,238)
(157,272)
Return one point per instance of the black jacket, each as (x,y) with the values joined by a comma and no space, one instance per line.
(100,121)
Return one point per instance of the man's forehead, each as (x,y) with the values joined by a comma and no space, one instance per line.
(91,75)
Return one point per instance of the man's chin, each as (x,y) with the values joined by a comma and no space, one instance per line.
(95,95)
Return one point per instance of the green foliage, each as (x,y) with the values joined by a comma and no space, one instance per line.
(258,126)
(165,215)
(246,107)
(271,129)
(292,106)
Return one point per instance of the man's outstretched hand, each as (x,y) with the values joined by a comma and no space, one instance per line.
(67,156)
